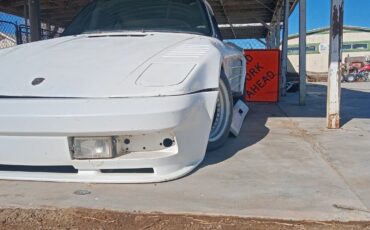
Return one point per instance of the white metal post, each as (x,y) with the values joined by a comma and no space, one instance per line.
(335,61)
(302,52)
(284,52)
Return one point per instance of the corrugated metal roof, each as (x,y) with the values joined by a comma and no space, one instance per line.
(243,17)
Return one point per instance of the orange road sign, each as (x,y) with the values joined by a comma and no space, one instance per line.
(263,73)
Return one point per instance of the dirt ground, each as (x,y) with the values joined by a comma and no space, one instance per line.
(99,219)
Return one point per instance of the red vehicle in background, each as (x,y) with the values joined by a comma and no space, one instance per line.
(365,68)
(358,71)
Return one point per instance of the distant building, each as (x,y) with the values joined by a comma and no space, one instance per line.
(356,43)
(6,41)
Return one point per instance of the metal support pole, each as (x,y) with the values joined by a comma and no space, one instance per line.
(277,36)
(268,40)
(26,22)
(271,39)
(284,53)
(278,19)
(18,34)
(302,52)
(35,22)
(25,12)
(335,60)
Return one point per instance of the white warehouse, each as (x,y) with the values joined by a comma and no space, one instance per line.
(356,43)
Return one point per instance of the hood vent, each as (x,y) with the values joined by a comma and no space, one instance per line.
(117,35)
(187,51)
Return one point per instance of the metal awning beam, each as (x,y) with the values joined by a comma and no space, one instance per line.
(60,13)
(265,6)
(227,18)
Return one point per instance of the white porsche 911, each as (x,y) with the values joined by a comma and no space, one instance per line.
(133,92)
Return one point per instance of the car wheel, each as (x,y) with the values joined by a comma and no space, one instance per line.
(223,116)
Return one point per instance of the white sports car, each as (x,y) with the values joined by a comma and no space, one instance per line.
(133,92)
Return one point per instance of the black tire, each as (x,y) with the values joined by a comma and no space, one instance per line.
(224,112)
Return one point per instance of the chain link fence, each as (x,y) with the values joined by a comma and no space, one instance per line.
(9,34)
(25,34)
(14,31)
(9,30)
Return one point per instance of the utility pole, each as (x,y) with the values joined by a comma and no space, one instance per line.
(335,61)
(35,21)
(302,52)
(284,52)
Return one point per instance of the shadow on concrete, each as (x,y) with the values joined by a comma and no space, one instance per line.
(355,104)
(254,130)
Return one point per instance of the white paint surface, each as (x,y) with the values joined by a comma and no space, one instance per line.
(103,85)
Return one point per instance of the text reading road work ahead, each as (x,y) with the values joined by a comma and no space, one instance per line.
(262,80)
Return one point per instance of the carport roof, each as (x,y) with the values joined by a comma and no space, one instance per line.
(239,18)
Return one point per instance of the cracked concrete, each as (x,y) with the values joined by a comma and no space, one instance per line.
(285,164)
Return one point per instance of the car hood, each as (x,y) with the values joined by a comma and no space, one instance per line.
(81,66)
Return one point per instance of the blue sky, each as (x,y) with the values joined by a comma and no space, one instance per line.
(356,13)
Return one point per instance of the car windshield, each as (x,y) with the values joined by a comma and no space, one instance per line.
(141,15)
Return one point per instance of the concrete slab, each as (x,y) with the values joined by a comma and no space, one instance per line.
(284,164)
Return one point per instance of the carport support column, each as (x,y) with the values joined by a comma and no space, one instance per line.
(335,60)
(277,35)
(34,17)
(284,52)
(302,52)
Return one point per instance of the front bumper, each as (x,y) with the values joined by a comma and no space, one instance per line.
(35,133)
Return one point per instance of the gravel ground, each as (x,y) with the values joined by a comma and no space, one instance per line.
(100,219)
